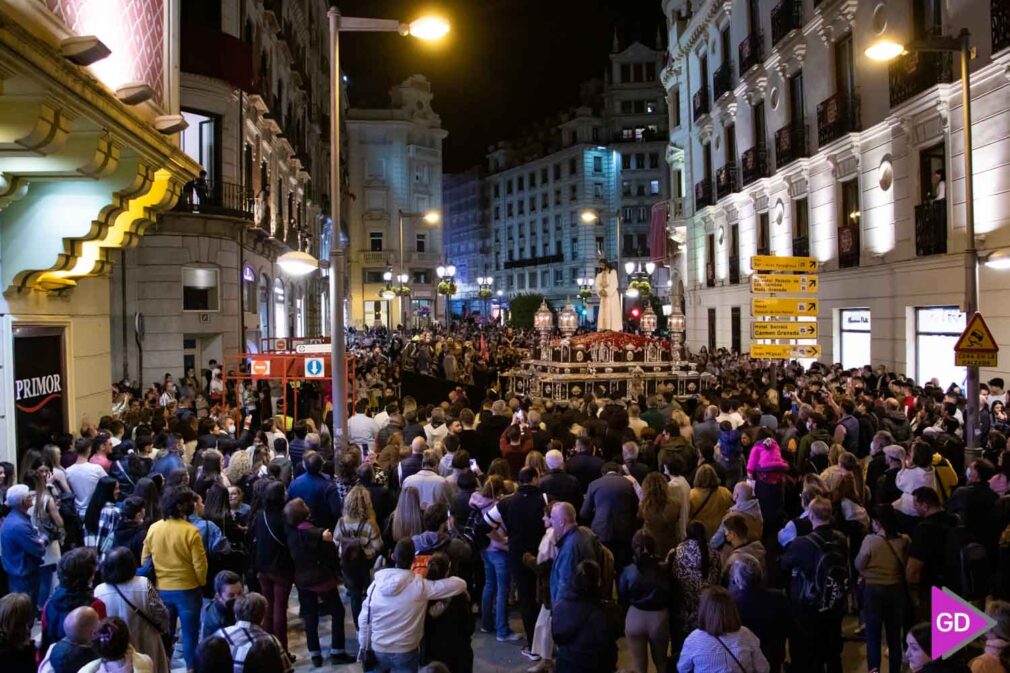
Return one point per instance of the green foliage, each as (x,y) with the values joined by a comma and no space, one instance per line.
(523,306)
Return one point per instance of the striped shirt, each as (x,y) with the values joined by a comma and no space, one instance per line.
(737,652)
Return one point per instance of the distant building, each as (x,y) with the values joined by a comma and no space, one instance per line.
(605,159)
(394,166)
(792,142)
(467,235)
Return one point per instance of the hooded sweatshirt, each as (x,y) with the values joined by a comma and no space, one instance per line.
(750,510)
(392,618)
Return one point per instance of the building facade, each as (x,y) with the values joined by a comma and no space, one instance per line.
(792,142)
(467,237)
(89,157)
(394,168)
(583,185)
(205,283)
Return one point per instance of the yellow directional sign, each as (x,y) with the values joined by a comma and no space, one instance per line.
(773,263)
(784,330)
(770,283)
(783,307)
(784,351)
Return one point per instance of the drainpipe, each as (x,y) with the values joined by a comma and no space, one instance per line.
(242,228)
(122,313)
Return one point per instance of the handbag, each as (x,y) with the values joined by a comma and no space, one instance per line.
(167,639)
(369,662)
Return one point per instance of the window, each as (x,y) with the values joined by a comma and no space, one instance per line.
(533,180)
(801,228)
(200,289)
(629,246)
(421,277)
(854,341)
(654,187)
(543,201)
(573,275)
(509,209)
(848,225)
(599,245)
(373,276)
(650,72)
(626,162)
(625,72)
(520,184)
(642,242)
(636,72)
(937,329)
(250,289)
(640,189)
(597,164)
(575,248)
(653,160)
(639,107)
(511,281)
(557,171)
(735,328)
(199,140)
(521,280)
(422,243)
(763,234)
(545,279)
(595,134)
(674,101)
(522,207)
(543,175)
(497,190)
(597,190)
(533,204)
(375,241)
(573,166)
(557,197)
(533,280)
(559,276)
(627,134)
(625,187)
(497,212)
(711,329)
(573,192)
(650,106)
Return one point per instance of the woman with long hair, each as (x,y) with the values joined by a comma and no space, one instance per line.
(709,499)
(695,566)
(149,490)
(646,590)
(406,520)
(51,458)
(270,556)
(210,472)
(102,516)
(45,516)
(659,513)
(497,571)
(358,538)
(919,653)
(536,460)
(17,615)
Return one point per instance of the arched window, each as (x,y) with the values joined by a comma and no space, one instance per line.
(264,305)
(280,309)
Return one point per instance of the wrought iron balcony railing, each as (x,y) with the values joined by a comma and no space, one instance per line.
(837,116)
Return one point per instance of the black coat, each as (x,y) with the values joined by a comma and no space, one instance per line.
(447,637)
(268,542)
(766,613)
(559,485)
(490,431)
(612,508)
(585,468)
(585,631)
(315,560)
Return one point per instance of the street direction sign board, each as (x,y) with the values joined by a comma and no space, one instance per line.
(775,263)
(784,330)
(769,283)
(260,367)
(976,346)
(784,351)
(312,348)
(315,368)
(776,307)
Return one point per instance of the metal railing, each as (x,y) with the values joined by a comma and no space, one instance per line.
(754,164)
(734,270)
(787,16)
(837,116)
(701,102)
(801,246)
(790,143)
(725,181)
(931,228)
(710,275)
(916,71)
(722,80)
(751,51)
(703,194)
(219,198)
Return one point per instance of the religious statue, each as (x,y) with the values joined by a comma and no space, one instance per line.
(609,315)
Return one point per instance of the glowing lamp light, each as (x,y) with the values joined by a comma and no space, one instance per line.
(440,271)
(999,260)
(884,50)
(635,312)
(650,267)
(632,293)
(588,217)
(432,217)
(428,28)
(295,263)
(387,276)
(629,268)
(388,294)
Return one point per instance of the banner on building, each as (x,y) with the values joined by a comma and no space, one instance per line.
(39,386)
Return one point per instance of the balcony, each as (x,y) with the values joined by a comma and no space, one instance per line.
(701,103)
(221,198)
(725,181)
(751,52)
(790,144)
(837,116)
(916,71)
(677,207)
(931,228)
(376,257)
(703,194)
(428,258)
(1000,13)
(734,270)
(722,80)
(762,249)
(754,164)
(801,246)
(787,16)
(710,275)
(534,261)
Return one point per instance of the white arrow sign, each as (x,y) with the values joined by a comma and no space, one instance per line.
(314,368)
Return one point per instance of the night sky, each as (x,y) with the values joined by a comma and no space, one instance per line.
(505,64)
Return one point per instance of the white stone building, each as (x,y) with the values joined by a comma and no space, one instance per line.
(789,140)
(205,283)
(394,165)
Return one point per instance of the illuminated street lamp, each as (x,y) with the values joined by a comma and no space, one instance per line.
(425,28)
(446,286)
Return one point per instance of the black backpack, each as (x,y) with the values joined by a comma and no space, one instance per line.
(827,588)
(476,530)
(352,553)
(967,570)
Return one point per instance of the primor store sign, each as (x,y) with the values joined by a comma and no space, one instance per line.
(33,393)
(39,386)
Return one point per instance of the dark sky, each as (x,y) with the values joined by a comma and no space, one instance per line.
(505,63)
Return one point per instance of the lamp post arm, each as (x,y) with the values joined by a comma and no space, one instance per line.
(354,24)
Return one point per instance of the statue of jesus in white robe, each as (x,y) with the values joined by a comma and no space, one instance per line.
(608,316)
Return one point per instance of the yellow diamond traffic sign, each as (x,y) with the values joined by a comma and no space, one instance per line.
(776,307)
(775,263)
(770,283)
(784,351)
(784,330)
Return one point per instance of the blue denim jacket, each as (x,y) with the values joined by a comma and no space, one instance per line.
(22,547)
(575,546)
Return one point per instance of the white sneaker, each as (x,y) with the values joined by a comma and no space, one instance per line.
(510,638)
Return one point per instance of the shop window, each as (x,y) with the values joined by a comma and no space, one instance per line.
(200,289)
(854,337)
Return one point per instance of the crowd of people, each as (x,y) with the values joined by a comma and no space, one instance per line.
(753,527)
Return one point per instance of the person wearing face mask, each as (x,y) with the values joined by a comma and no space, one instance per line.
(975,501)
(919,645)
(878,460)
(220,612)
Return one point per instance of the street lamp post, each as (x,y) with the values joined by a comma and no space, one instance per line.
(485,285)
(446,286)
(592,217)
(889,48)
(427,28)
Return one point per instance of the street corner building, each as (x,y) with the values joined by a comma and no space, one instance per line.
(787,139)
(88,159)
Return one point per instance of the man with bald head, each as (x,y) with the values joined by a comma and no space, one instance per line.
(74,650)
(575,544)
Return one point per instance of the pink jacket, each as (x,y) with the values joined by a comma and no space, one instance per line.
(766,457)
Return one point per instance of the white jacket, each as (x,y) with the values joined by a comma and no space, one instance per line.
(392,616)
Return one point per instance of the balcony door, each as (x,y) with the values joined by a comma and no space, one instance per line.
(760,127)
(703,67)
(796,98)
(754,16)
(724,47)
(845,73)
(729,135)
